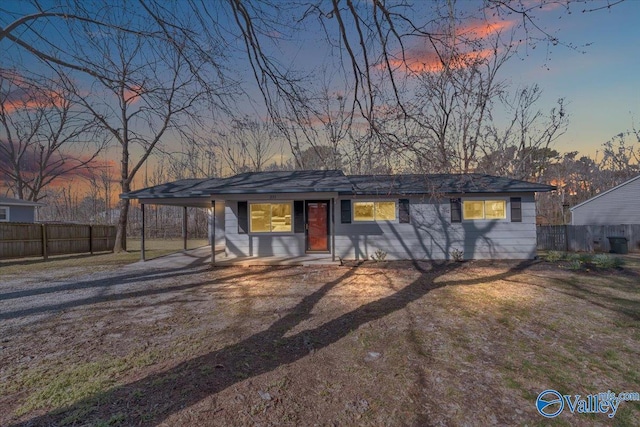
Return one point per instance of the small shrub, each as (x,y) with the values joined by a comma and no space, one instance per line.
(575,264)
(585,258)
(379,255)
(457,255)
(573,257)
(607,261)
(554,256)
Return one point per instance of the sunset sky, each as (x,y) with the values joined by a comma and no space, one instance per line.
(601,85)
(598,76)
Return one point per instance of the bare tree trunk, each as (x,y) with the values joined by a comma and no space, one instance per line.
(121,232)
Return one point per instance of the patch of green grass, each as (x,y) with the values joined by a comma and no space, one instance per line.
(554,256)
(89,263)
(114,420)
(58,388)
(76,416)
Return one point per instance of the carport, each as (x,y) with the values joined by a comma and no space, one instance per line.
(172,194)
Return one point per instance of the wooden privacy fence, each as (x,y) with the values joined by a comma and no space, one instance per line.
(586,238)
(19,240)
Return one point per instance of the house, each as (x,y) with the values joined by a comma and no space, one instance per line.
(326,213)
(17,210)
(619,205)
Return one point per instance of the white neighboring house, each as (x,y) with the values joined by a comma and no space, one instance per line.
(17,210)
(619,205)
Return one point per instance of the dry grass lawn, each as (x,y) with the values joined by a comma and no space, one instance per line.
(376,344)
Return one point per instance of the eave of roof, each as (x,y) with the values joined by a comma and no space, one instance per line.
(295,182)
(9,201)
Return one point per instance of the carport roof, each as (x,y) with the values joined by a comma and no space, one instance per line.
(334,181)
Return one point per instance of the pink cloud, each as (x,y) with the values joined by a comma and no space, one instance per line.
(424,59)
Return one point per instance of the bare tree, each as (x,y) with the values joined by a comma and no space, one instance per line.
(44,134)
(522,148)
(150,95)
(621,158)
(247,145)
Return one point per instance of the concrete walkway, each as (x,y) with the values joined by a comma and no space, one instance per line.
(202,256)
(183,259)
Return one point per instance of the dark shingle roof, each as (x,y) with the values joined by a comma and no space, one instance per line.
(279,182)
(180,188)
(335,181)
(441,183)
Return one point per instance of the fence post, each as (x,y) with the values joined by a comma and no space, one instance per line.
(91,239)
(45,253)
(142,248)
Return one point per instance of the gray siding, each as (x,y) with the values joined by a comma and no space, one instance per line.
(429,235)
(219,224)
(621,205)
(21,213)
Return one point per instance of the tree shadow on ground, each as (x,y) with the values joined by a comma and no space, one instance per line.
(152,399)
(102,283)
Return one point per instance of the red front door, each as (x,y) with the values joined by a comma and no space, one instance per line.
(317,226)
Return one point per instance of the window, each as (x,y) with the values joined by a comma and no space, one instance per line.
(484,209)
(4,214)
(473,209)
(270,217)
(374,211)
(495,209)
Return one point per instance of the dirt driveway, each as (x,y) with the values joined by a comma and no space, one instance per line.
(379,344)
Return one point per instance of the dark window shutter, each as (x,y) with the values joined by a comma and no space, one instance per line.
(516,209)
(298,216)
(403,211)
(456,210)
(345,211)
(243,222)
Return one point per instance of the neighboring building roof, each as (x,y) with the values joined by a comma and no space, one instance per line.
(8,201)
(335,181)
(605,192)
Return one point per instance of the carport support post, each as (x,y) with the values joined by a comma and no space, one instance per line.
(184,228)
(142,235)
(213,233)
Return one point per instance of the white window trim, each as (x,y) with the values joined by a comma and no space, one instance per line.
(7,213)
(356,221)
(270,202)
(507,215)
